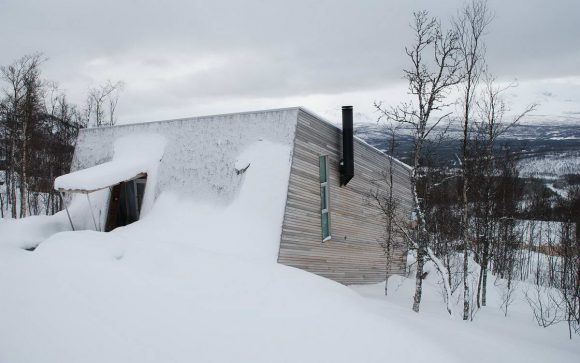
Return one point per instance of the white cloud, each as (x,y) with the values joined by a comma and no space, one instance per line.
(190,57)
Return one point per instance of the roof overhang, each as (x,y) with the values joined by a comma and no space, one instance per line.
(99,177)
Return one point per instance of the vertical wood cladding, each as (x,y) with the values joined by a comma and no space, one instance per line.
(352,255)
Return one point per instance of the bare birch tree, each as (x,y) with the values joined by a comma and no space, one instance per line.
(435,68)
(493,122)
(470,26)
(387,204)
(102,103)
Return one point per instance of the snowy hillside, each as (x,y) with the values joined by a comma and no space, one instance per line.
(160,291)
(551,166)
(198,282)
(549,149)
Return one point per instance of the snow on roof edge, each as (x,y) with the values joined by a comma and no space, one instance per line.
(193,118)
(294,108)
(130,161)
(87,180)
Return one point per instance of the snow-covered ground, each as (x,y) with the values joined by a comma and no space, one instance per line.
(536,233)
(194,282)
(550,166)
(155,292)
(490,337)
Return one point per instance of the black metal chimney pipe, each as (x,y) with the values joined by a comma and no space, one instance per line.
(347,161)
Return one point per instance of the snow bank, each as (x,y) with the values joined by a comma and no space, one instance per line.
(196,280)
(29,232)
(191,282)
(159,291)
(250,226)
(144,293)
(491,336)
(80,297)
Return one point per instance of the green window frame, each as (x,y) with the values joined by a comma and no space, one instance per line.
(324,198)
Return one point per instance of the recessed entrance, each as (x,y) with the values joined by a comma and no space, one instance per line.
(125,203)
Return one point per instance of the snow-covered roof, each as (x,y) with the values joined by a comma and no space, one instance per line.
(99,177)
(134,156)
(256,112)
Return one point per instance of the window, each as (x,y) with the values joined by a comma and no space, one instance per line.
(324,196)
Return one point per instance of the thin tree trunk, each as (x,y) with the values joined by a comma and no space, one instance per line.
(479,283)
(23,198)
(13,198)
(420,235)
(388,256)
(448,268)
(26,122)
(464,231)
(484,275)
(7,176)
(418,280)
(391,216)
(12,180)
(23,175)
(1,206)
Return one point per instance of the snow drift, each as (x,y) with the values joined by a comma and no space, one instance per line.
(196,278)
(190,282)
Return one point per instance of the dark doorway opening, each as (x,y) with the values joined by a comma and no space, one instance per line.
(125,203)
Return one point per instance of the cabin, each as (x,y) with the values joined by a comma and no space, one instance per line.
(324,223)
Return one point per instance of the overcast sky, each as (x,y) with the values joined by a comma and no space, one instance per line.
(188,58)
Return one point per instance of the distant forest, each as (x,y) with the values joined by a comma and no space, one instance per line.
(542,144)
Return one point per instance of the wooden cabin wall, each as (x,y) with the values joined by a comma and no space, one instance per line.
(352,255)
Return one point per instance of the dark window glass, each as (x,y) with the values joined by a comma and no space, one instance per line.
(125,203)
(324,198)
(325,227)
(323,169)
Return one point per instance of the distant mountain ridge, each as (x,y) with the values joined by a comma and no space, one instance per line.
(540,143)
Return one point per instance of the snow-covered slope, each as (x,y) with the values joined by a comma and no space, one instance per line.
(150,294)
(198,282)
(490,337)
(551,166)
(190,282)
